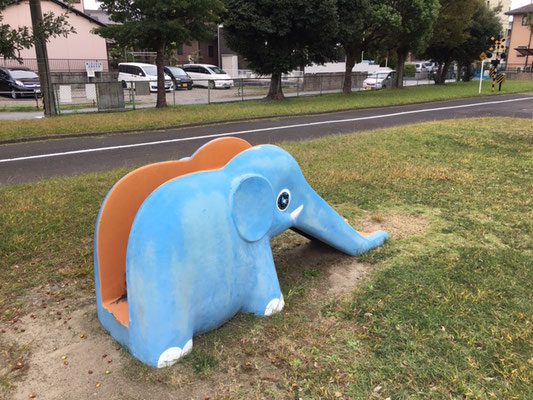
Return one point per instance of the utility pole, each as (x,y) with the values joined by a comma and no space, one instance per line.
(42,58)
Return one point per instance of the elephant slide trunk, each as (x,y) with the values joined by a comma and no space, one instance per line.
(320,221)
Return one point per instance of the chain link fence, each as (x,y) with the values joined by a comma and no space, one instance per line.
(72,97)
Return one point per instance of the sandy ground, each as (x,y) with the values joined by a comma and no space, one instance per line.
(60,351)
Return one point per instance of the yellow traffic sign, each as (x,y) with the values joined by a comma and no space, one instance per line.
(500,78)
(482,56)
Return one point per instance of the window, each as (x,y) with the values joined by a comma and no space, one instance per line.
(180,50)
(211,51)
(525,20)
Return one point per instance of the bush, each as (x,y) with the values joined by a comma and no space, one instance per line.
(409,70)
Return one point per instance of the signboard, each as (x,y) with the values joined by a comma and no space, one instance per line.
(500,78)
(93,66)
(482,56)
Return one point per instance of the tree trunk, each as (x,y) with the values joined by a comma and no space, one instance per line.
(402,56)
(275,92)
(160,64)
(350,62)
(468,73)
(440,78)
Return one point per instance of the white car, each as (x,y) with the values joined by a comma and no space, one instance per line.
(378,80)
(208,76)
(140,72)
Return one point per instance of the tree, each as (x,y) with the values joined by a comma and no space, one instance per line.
(277,36)
(160,25)
(412,30)
(450,33)
(363,24)
(483,24)
(13,40)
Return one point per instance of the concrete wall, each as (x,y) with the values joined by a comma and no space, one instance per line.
(81,77)
(522,76)
(331,81)
(82,45)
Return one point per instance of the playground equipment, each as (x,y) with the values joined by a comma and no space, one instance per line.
(182,246)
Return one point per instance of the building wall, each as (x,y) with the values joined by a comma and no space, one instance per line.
(81,45)
(506,6)
(520,36)
(201,49)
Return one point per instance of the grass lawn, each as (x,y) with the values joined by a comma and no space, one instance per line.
(443,310)
(178,115)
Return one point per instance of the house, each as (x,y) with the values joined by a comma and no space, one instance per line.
(502,15)
(65,54)
(521,40)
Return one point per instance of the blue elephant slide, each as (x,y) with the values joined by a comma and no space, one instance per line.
(182,246)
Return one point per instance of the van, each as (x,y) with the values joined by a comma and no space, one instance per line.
(140,72)
(380,79)
(208,75)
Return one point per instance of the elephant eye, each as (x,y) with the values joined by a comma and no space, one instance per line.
(284,199)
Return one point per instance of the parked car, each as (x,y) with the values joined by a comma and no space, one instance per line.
(430,66)
(179,77)
(208,75)
(419,66)
(379,80)
(19,82)
(140,72)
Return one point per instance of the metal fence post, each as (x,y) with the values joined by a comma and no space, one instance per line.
(320,80)
(56,98)
(208,93)
(297,86)
(173,94)
(242,90)
(132,92)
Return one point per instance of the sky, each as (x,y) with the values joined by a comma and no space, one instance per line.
(93,4)
(519,3)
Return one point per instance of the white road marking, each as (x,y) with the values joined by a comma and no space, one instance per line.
(273,128)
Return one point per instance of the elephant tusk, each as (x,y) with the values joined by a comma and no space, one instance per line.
(296,212)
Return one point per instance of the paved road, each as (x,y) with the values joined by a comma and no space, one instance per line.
(38,160)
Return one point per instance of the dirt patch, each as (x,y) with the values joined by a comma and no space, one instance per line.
(343,278)
(71,356)
(399,226)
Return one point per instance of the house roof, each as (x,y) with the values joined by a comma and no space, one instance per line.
(77,12)
(522,10)
(101,16)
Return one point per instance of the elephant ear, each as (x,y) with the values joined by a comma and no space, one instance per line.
(253,205)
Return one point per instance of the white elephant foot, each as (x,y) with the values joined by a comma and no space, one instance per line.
(274,306)
(171,355)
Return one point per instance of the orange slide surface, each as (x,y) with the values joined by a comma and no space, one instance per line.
(121,205)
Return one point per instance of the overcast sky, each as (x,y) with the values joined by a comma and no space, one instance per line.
(93,4)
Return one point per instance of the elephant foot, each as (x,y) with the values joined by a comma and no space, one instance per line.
(274,306)
(171,355)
